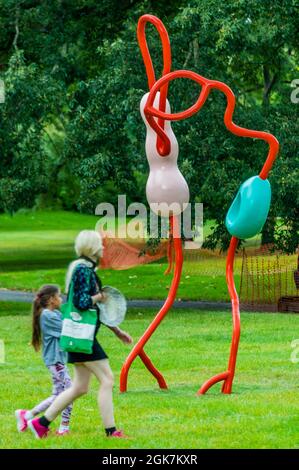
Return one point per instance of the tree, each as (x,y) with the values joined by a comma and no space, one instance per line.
(84,57)
(253,47)
(30,97)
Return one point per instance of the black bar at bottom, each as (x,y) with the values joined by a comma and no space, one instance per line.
(134,458)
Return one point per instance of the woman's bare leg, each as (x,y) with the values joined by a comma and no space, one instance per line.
(101,369)
(78,388)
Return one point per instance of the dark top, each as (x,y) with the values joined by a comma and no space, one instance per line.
(87,284)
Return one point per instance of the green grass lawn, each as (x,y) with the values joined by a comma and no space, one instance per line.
(189,347)
(36,247)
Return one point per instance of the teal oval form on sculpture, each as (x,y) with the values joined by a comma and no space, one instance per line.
(249,210)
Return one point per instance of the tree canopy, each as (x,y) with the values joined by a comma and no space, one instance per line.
(70,128)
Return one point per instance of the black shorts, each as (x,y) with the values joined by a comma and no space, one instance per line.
(97,354)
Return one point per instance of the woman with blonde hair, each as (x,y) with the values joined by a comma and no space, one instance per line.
(86,294)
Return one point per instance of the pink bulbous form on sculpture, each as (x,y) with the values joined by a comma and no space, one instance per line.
(167,191)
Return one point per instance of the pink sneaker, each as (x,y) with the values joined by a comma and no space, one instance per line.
(119,434)
(38,430)
(65,432)
(22,423)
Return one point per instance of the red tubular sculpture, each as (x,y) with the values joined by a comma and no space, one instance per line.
(228,376)
(164,148)
(151,113)
(166,50)
(207,85)
(138,349)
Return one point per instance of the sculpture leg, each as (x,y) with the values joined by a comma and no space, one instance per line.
(228,376)
(138,349)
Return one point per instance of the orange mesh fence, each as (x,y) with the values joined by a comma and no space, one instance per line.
(121,254)
(266,278)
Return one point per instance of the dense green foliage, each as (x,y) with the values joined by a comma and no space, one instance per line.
(70,127)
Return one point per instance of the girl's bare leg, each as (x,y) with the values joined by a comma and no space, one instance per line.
(101,369)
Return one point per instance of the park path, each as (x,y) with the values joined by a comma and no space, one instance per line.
(21,296)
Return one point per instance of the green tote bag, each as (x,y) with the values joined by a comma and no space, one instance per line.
(78,327)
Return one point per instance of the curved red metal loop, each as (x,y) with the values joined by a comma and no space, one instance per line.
(151,112)
(166,49)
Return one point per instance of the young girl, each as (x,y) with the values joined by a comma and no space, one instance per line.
(86,293)
(47,324)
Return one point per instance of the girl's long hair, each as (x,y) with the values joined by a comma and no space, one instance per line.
(40,302)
